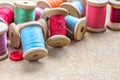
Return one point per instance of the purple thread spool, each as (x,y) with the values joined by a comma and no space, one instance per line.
(3,41)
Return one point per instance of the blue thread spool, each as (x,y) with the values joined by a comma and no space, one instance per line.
(76,26)
(32,41)
(75,8)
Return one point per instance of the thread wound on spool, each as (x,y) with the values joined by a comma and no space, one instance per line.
(34,39)
(57,25)
(7,15)
(55,3)
(115,15)
(38,12)
(95,16)
(24,15)
(3,44)
(79,5)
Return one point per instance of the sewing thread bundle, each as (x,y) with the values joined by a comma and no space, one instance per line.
(52,3)
(24,12)
(114,22)
(33,47)
(57,25)
(3,41)
(75,8)
(96,15)
(76,26)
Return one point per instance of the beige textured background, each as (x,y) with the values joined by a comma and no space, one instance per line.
(96,57)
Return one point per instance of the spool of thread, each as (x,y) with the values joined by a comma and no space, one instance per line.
(96,15)
(76,26)
(33,47)
(3,41)
(6,13)
(57,26)
(24,12)
(52,3)
(75,8)
(39,10)
(14,34)
(114,22)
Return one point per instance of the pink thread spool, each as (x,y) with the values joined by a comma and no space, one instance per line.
(7,16)
(3,41)
(96,15)
(114,22)
(40,9)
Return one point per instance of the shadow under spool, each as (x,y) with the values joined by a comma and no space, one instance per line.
(76,27)
(33,44)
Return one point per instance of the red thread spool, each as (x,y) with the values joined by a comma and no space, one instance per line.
(57,25)
(114,22)
(96,15)
(56,28)
(6,13)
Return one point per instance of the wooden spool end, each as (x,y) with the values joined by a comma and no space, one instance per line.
(53,11)
(14,35)
(115,3)
(97,3)
(71,9)
(25,4)
(80,29)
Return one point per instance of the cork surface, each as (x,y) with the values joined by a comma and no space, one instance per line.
(96,57)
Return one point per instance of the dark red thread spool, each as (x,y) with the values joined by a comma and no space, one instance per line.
(114,22)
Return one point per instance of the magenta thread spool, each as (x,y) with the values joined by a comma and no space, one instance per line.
(96,15)
(3,41)
(114,22)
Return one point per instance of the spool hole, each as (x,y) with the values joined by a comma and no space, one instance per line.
(36,55)
(12,35)
(82,29)
(25,2)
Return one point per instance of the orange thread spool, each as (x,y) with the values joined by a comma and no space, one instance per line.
(55,3)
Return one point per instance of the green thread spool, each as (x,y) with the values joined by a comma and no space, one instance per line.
(24,12)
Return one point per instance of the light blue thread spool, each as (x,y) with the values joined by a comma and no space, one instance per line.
(75,8)
(33,43)
(76,26)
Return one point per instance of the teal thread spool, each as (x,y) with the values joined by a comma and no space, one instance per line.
(76,26)
(24,12)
